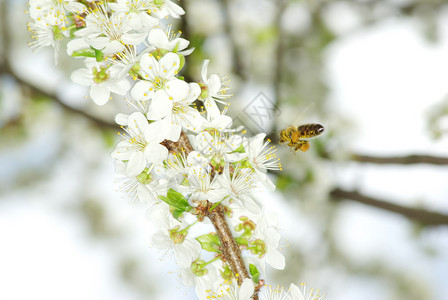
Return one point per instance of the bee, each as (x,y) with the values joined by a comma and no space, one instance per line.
(295,137)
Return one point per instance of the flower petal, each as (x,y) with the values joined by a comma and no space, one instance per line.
(136,164)
(156,153)
(99,93)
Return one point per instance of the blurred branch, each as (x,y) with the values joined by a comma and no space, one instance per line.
(279,53)
(397,160)
(7,69)
(402,160)
(422,216)
(238,65)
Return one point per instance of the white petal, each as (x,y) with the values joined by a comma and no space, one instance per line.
(120,87)
(169,64)
(149,66)
(113,47)
(214,84)
(246,289)
(76,45)
(99,43)
(99,93)
(141,91)
(121,151)
(136,164)
(82,76)
(156,132)
(204,70)
(158,38)
(133,38)
(156,153)
(296,294)
(161,106)
(137,123)
(178,89)
(161,241)
(275,259)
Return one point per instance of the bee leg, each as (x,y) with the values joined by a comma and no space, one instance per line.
(302,146)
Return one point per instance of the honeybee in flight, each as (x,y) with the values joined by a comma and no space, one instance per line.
(295,137)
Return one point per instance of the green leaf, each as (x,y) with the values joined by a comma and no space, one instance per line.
(177,213)
(254,273)
(99,55)
(242,241)
(176,200)
(240,149)
(209,242)
(84,53)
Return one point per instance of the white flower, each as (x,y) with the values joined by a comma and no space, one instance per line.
(268,238)
(166,8)
(219,146)
(141,145)
(160,84)
(262,158)
(160,39)
(297,294)
(43,36)
(235,292)
(102,80)
(183,115)
(202,187)
(202,280)
(293,293)
(172,238)
(143,188)
(137,12)
(54,12)
(109,34)
(239,186)
(213,92)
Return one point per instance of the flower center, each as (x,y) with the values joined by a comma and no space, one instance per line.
(100,75)
(159,83)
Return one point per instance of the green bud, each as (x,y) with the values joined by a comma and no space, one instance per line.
(258,247)
(159,53)
(204,91)
(159,2)
(135,71)
(178,236)
(227,273)
(198,268)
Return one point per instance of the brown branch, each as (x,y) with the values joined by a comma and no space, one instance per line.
(182,145)
(401,160)
(229,247)
(422,216)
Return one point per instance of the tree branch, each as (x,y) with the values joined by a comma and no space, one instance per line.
(5,69)
(422,216)
(401,160)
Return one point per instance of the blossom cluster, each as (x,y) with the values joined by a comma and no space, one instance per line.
(179,152)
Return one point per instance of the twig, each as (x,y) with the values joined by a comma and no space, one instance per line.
(423,216)
(402,160)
